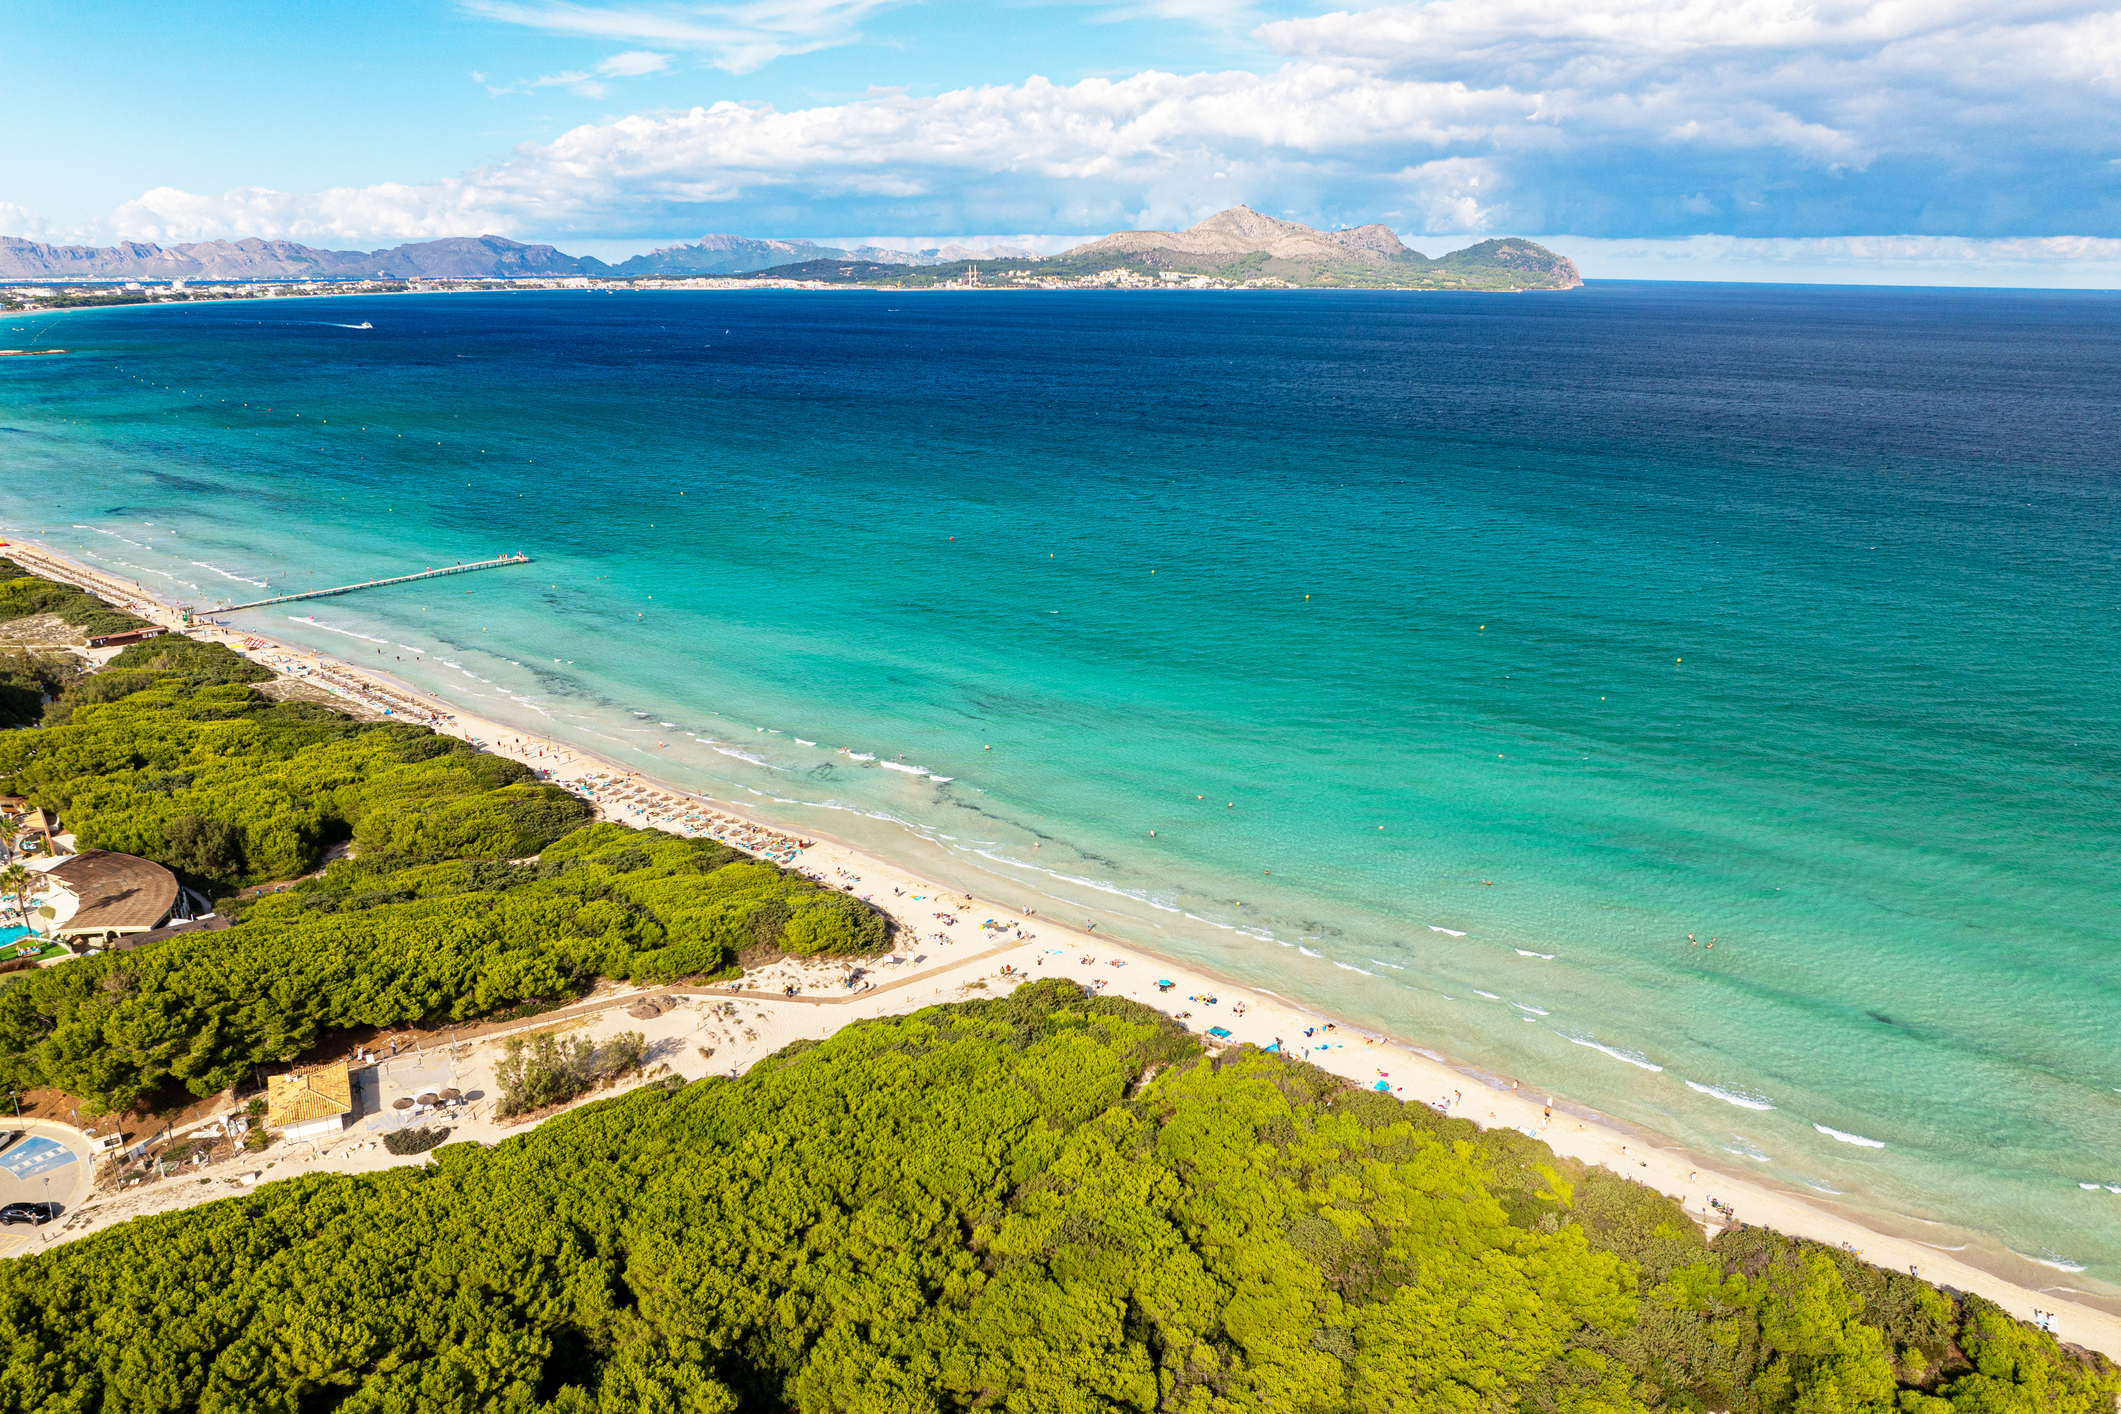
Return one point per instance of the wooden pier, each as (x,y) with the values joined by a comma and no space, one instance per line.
(375,583)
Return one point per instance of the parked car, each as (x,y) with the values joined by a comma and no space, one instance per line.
(35,1214)
(8,1138)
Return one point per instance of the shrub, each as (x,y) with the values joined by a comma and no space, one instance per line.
(26,679)
(414,1141)
(432,920)
(1046,1201)
(204,849)
(197,662)
(551,1070)
(23,594)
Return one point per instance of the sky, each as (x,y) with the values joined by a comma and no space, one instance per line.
(1914,141)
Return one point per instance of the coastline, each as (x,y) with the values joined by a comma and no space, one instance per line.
(1413,1072)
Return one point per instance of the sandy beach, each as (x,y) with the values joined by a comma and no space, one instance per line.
(953,947)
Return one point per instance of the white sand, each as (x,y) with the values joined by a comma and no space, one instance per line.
(969,964)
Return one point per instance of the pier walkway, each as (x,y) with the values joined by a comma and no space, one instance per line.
(376,583)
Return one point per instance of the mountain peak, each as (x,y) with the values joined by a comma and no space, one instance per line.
(1244,221)
(1243,244)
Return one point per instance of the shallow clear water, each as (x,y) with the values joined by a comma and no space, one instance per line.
(1493,627)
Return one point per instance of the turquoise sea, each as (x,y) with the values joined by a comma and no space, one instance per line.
(1465,654)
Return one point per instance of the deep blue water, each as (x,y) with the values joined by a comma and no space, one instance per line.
(1782,617)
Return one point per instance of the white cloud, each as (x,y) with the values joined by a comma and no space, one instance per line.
(1837,82)
(21,221)
(737,38)
(634,63)
(1107,151)
(1609,118)
(1454,194)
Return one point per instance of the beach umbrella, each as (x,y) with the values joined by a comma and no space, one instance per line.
(401,1103)
(452,1094)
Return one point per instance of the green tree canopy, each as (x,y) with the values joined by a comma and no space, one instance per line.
(1045,1202)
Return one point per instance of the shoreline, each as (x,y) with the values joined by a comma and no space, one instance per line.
(1247,1012)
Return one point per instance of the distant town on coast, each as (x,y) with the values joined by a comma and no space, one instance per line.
(1235,249)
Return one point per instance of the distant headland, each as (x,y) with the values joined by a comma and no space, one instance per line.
(1239,247)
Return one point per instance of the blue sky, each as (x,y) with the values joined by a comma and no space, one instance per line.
(1681,133)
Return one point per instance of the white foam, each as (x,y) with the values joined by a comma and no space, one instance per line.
(1396,967)
(2056,1260)
(1307,952)
(1745,1149)
(861,756)
(942,778)
(1816,1184)
(1489,995)
(2092,1186)
(312,622)
(1850,1138)
(1546,956)
(1532,1009)
(225,574)
(1138,895)
(742,755)
(800,742)
(1452,931)
(902,766)
(1631,1057)
(1731,1097)
(1349,967)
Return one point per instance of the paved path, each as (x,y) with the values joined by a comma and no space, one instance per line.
(49,1164)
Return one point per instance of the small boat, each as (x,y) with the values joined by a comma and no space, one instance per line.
(364,324)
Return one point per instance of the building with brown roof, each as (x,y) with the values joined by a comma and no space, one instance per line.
(313,1105)
(130,636)
(118,894)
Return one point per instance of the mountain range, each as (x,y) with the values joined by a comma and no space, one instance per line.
(1237,245)
(740,255)
(455,258)
(1242,244)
